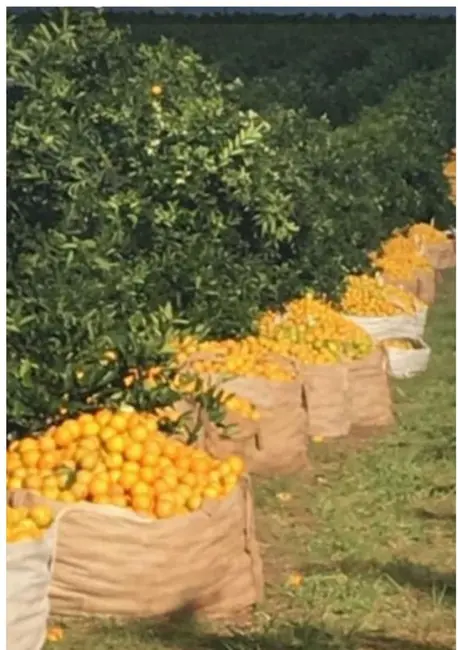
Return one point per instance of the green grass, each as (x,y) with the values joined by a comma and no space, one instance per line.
(371,532)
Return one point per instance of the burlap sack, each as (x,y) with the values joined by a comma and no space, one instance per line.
(277,442)
(28,578)
(442,255)
(111,561)
(422,285)
(327,396)
(369,392)
(274,444)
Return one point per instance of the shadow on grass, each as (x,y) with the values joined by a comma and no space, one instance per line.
(402,573)
(186,634)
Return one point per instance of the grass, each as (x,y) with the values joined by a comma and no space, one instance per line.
(370,535)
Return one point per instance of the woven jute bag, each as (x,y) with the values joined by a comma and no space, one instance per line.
(110,561)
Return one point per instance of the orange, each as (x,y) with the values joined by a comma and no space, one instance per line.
(140,487)
(133,451)
(119,421)
(68,453)
(115,443)
(80,491)
(106,433)
(118,500)
(55,634)
(84,418)
(46,443)
(48,460)
(115,475)
(199,465)
(236,463)
(102,499)
(189,479)
(33,483)
(149,459)
(20,472)
(90,443)
(184,491)
(141,502)
(182,464)
(91,428)
(115,490)
(152,446)
(156,90)
(171,450)
(28,444)
(30,458)
(225,468)
(211,492)
(160,486)
(139,433)
(83,476)
(13,461)
(128,479)
(88,460)
(98,486)
(14,446)
(41,515)
(194,502)
(164,509)
(67,497)
(103,417)
(73,426)
(100,468)
(148,474)
(133,419)
(63,436)
(51,493)
(151,425)
(163,462)
(114,460)
(170,478)
(201,480)
(131,466)
(213,476)
(51,481)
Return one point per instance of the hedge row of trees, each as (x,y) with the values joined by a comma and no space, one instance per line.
(132,213)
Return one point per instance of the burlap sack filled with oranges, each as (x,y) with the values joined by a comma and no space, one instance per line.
(328,347)
(28,579)
(369,392)
(112,561)
(266,421)
(147,525)
(434,244)
(422,284)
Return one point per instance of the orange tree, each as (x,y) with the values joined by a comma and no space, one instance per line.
(136,181)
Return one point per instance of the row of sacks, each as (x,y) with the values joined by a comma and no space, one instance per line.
(327,401)
(100,560)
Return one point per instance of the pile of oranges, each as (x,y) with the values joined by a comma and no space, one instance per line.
(427,233)
(313,332)
(400,258)
(27,523)
(123,459)
(366,296)
(248,357)
(401,344)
